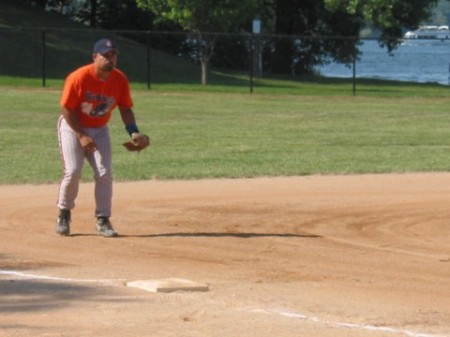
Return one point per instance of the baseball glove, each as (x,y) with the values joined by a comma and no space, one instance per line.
(138,142)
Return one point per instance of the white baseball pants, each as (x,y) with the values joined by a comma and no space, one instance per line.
(73,155)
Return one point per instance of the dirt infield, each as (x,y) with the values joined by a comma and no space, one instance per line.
(314,256)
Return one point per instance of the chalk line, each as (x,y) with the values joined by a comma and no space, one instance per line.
(60,279)
(363,327)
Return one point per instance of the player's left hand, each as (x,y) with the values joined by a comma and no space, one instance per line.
(138,142)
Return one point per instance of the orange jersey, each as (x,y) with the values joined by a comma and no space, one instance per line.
(93,99)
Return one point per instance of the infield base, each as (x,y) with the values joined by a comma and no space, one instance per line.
(168,285)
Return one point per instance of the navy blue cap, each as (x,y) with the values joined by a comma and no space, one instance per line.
(103,46)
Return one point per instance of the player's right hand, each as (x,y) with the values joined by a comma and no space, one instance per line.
(88,144)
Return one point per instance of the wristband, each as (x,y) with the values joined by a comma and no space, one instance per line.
(131,128)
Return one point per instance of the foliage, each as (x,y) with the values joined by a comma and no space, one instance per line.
(440,14)
(300,22)
(390,16)
(305,18)
(202,17)
(303,23)
(330,18)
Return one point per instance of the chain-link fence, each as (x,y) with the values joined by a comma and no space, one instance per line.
(153,58)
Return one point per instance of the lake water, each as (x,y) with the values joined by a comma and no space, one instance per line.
(413,61)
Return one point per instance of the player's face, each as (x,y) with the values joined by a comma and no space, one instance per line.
(106,62)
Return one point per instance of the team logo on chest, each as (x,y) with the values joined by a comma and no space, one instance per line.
(97,105)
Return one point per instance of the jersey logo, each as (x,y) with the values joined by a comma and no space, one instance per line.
(104,105)
(99,111)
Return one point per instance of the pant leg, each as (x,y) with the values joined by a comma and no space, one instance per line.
(72,155)
(100,162)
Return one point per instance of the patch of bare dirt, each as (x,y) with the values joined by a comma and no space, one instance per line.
(301,256)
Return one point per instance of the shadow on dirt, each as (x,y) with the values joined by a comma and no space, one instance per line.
(38,295)
(219,235)
(23,293)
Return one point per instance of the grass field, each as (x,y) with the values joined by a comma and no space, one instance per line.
(207,135)
(288,126)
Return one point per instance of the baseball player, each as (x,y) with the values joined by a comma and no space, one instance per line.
(90,94)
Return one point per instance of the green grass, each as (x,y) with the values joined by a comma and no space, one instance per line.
(301,126)
(210,135)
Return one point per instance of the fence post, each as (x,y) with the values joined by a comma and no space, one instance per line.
(449,74)
(148,62)
(252,54)
(354,76)
(44,75)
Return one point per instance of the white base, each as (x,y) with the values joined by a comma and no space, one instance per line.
(168,285)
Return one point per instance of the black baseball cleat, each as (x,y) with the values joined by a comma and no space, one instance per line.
(63,222)
(104,227)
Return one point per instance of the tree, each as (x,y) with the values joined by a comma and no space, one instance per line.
(390,16)
(441,14)
(318,23)
(306,31)
(93,13)
(204,18)
(302,28)
(109,14)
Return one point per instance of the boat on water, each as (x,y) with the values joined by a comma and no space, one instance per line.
(429,32)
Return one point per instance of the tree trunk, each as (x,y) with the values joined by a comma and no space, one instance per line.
(93,14)
(284,25)
(205,70)
(206,51)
